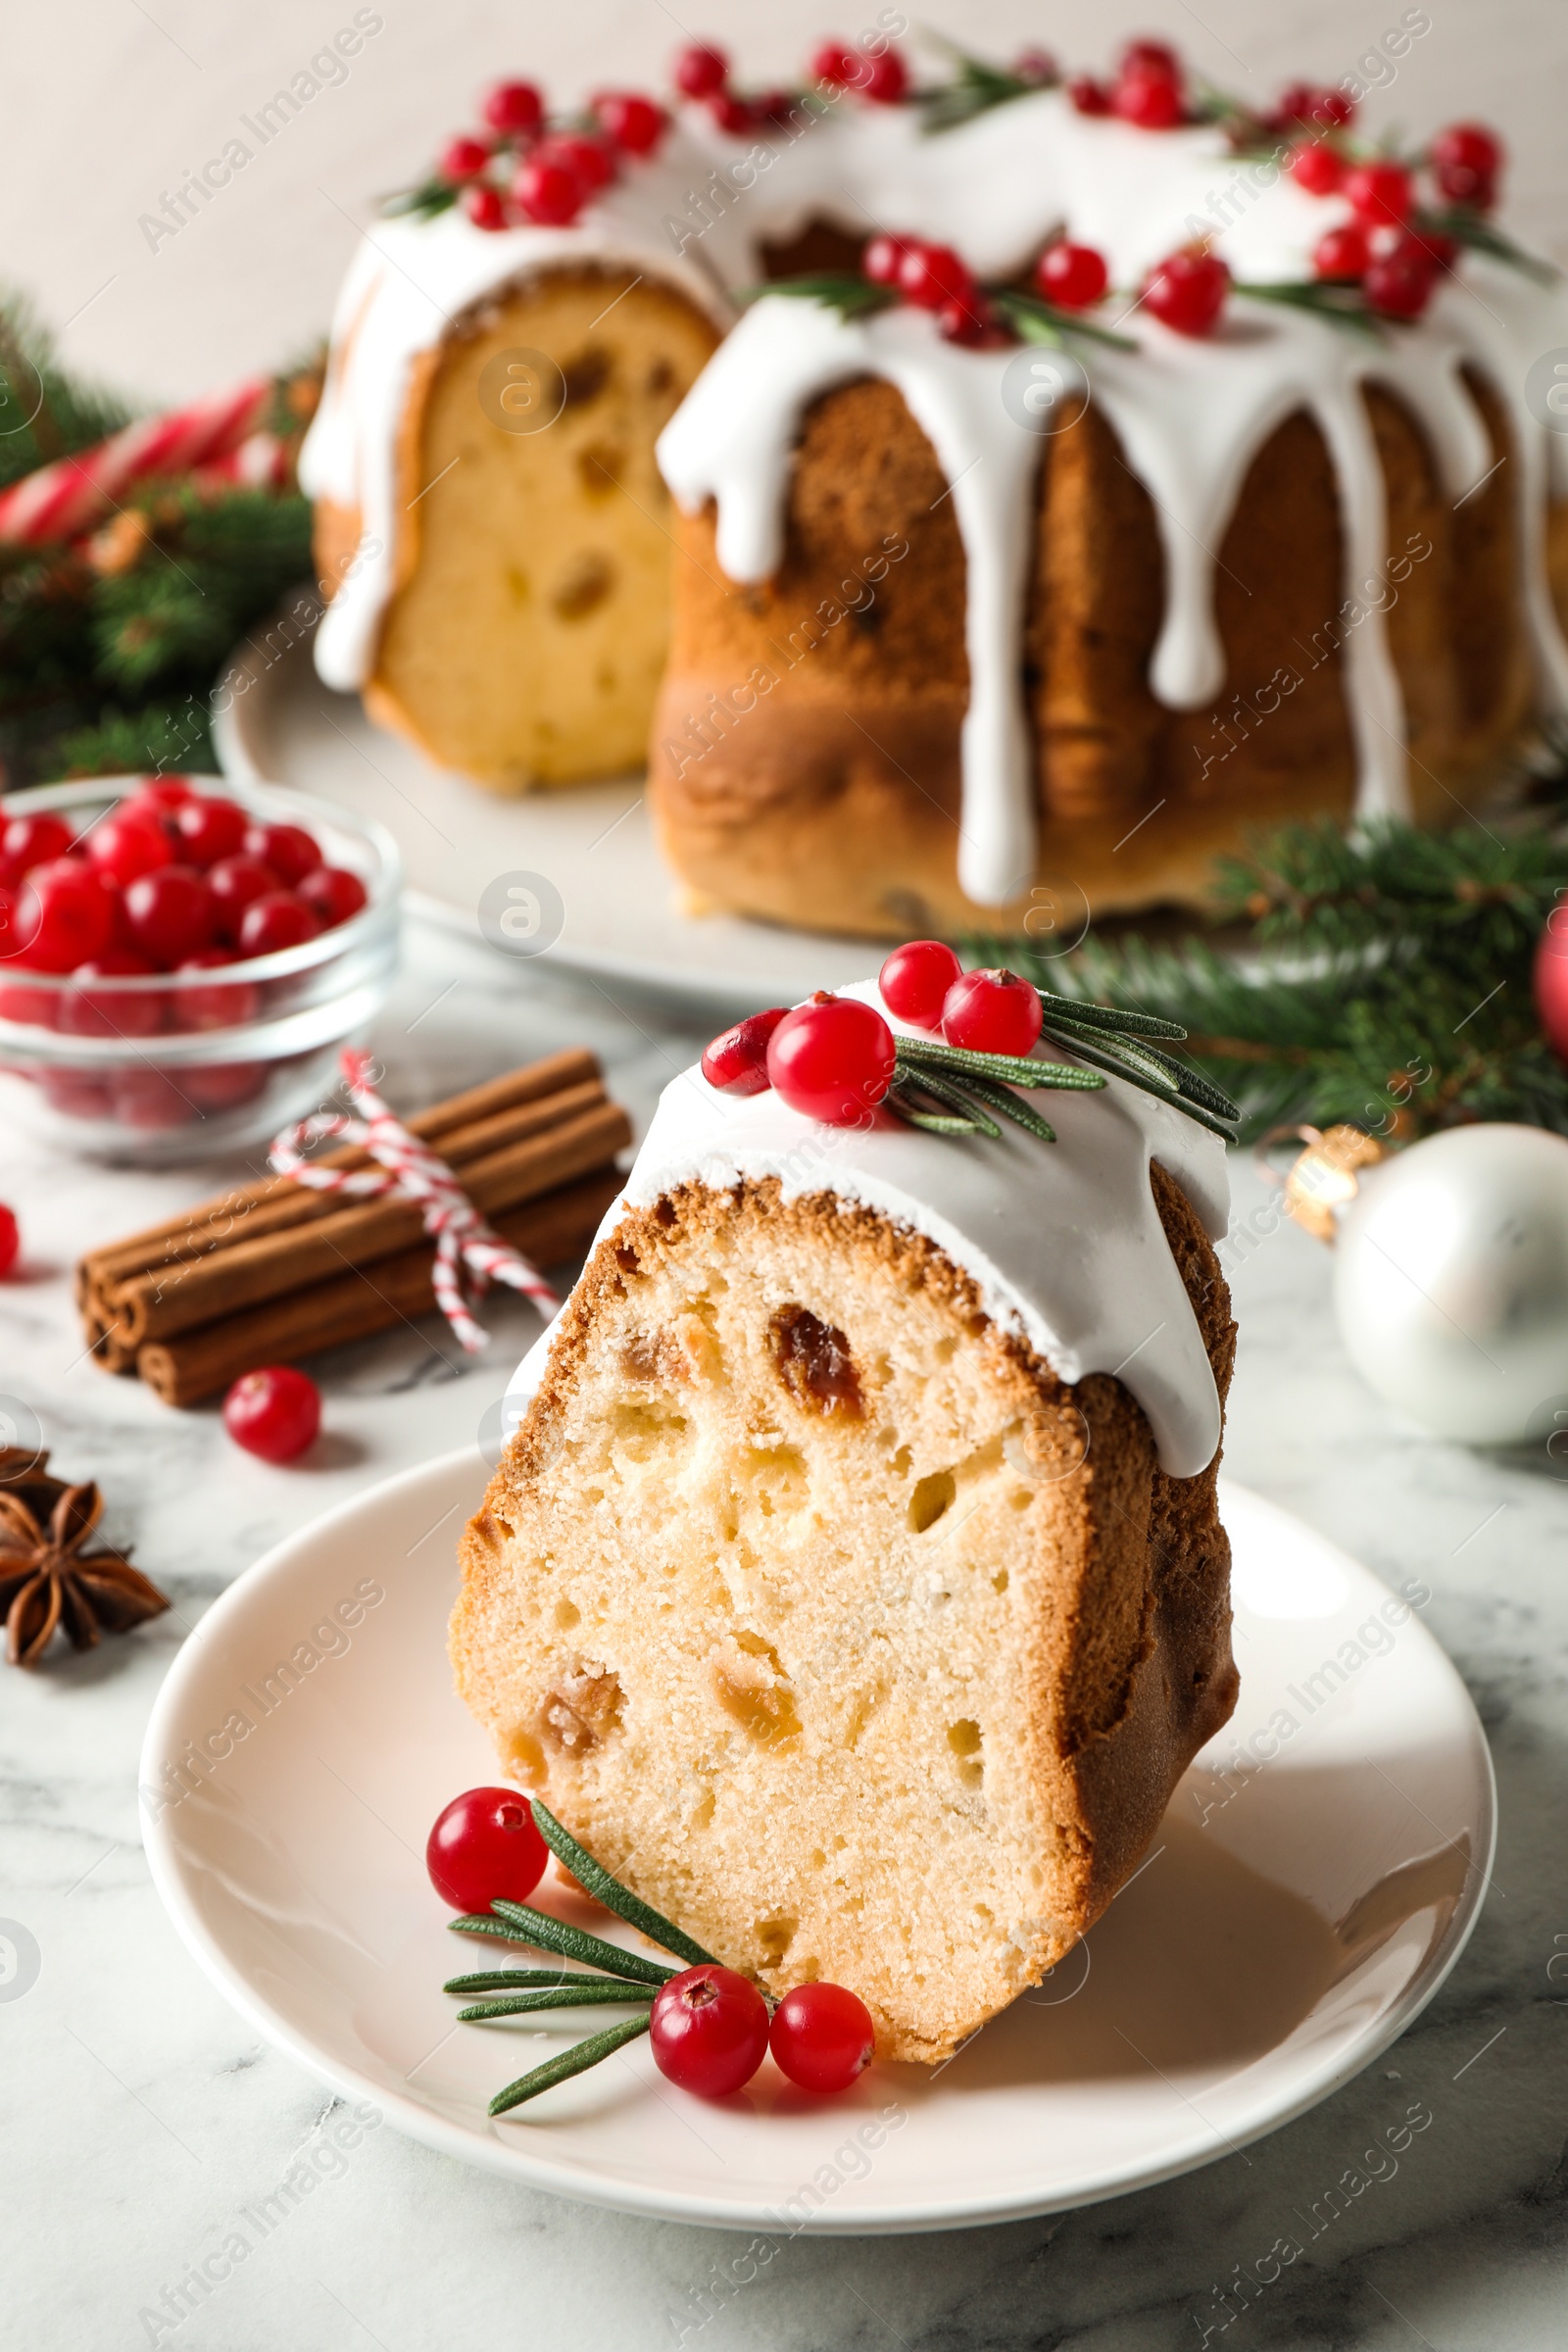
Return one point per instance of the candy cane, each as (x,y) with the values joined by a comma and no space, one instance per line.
(411,1171)
(71,496)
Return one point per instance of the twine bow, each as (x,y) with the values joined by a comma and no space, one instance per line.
(411,1171)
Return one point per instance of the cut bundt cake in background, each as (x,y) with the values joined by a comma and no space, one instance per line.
(835,1591)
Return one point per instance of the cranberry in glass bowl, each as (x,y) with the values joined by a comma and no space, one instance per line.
(141,1030)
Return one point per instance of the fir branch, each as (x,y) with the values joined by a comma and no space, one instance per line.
(1036,322)
(608,1890)
(575,2061)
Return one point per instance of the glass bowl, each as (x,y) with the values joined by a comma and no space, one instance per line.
(192,1065)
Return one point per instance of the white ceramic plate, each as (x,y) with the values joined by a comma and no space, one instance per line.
(274,721)
(1314,1881)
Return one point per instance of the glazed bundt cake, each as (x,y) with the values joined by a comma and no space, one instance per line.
(999,597)
(853,1586)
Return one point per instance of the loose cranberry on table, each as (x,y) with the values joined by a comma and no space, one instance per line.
(484,1847)
(708,2029)
(234,883)
(65,915)
(821,2037)
(1188,292)
(736,1063)
(513,108)
(832,1060)
(208,827)
(29,841)
(1379,192)
(10,1238)
(170,914)
(124,844)
(273,922)
(1073,276)
(1465,161)
(915,979)
(332,894)
(701,69)
(992,1013)
(86,1012)
(275,1412)
(225,1006)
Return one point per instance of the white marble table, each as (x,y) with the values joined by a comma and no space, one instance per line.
(142,2119)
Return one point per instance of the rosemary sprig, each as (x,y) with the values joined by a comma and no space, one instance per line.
(1012,1070)
(591,1994)
(969,1116)
(1086,1015)
(528,1979)
(1467,227)
(516,1922)
(430,197)
(575,2061)
(976,89)
(899,1099)
(852,297)
(1036,322)
(609,1890)
(1339,300)
(1001,1100)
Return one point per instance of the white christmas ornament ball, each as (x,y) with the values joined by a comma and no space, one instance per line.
(1450,1280)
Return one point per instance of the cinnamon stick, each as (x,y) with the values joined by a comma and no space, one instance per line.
(549,1229)
(168,1300)
(194,1230)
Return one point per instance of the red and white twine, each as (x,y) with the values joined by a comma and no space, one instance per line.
(411,1171)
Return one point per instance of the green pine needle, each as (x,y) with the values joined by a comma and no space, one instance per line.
(609,1890)
(575,2061)
(518,1924)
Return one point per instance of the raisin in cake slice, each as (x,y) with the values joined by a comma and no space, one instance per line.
(854,1583)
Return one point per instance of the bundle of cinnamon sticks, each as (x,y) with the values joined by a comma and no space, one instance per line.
(274,1271)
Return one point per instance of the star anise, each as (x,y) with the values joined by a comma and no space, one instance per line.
(48,1581)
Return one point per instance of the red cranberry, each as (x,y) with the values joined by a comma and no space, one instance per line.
(486,208)
(934,274)
(463,160)
(1037,67)
(1088,96)
(1442,251)
(513,108)
(882,260)
(222,1006)
(1314,107)
(551,194)
(1151,101)
(1399,281)
(223,1085)
(837,64)
(915,979)
(886,78)
(288,850)
(85,1012)
(776,106)
(1342,252)
(484,1847)
(209,829)
(29,841)
(1188,292)
(992,1013)
(10,1238)
(123,846)
(736,1062)
(166,793)
(970,323)
(701,69)
(65,915)
(277,920)
(1073,276)
(1380,192)
(155,1100)
(332,894)
(590,159)
(275,1412)
(832,1060)
(821,2037)
(170,914)
(37,1007)
(634,123)
(1150,57)
(1465,161)
(1316,167)
(735,116)
(10,937)
(708,2030)
(234,882)
(76,1095)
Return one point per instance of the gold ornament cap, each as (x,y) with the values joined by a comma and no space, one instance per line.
(1324,1177)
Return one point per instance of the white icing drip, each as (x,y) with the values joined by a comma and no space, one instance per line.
(1190,415)
(1061,1240)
